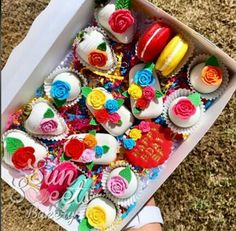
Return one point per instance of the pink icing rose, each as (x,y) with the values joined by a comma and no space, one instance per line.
(88,156)
(121,20)
(144,126)
(148,93)
(48,125)
(114,118)
(117,185)
(184,109)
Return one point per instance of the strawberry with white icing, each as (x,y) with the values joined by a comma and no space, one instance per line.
(117,19)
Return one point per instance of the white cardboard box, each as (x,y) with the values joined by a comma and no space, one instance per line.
(45,46)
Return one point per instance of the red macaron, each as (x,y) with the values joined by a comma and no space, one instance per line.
(153,41)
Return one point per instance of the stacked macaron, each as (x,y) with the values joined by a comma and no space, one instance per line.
(158,44)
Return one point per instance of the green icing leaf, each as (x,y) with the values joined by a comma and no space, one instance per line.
(158,94)
(59,103)
(212,61)
(120,102)
(12,144)
(149,66)
(136,111)
(195,99)
(49,113)
(123,4)
(105,149)
(125,94)
(120,123)
(93,132)
(90,165)
(84,225)
(93,122)
(64,157)
(126,173)
(86,91)
(102,47)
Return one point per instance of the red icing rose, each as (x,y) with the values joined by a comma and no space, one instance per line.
(184,109)
(212,75)
(74,149)
(114,118)
(121,20)
(148,93)
(97,58)
(142,103)
(102,116)
(23,157)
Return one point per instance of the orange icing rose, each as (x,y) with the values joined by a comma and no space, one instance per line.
(211,75)
(90,141)
(97,58)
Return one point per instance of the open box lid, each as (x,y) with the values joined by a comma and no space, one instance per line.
(45,46)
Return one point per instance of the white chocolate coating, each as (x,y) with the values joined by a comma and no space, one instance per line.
(125,115)
(103,18)
(132,186)
(184,123)
(108,206)
(32,124)
(91,41)
(74,83)
(196,81)
(40,150)
(102,139)
(156,106)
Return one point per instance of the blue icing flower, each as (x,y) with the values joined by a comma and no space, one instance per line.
(60,90)
(153,173)
(111,105)
(129,143)
(98,151)
(144,78)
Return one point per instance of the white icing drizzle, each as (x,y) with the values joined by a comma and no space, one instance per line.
(149,41)
(172,55)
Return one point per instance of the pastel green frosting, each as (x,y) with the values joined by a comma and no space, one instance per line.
(74,195)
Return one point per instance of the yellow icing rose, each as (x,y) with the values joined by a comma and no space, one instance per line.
(96,216)
(135,91)
(135,134)
(96,99)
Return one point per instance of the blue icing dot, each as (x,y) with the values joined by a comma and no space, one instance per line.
(153,173)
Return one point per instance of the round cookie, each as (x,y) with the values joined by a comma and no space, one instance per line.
(183,113)
(122,182)
(101,213)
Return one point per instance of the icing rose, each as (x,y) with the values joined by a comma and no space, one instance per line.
(60,90)
(142,103)
(23,157)
(117,185)
(135,91)
(96,99)
(148,93)
(90,141)
(144,78)
(184,109)
(129,143)
(121,20)
(87,156)
(114,118)
(97,58)
(211,75)
(74,149)
(144,126)
(48,125)
(102,116)
(111,105)
(135,134)
(99,151)
(96,216)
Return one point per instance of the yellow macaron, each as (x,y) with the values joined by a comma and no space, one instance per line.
(172,55)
